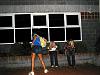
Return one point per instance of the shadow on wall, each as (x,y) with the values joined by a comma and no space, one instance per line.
(20,49)
(81,47)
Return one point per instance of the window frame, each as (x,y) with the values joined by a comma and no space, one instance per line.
(47,23)
(73,13)
(73,26)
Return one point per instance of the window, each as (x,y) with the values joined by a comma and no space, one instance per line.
(56,20)
(39,20)
(73,26)
(5,21)
(73,33)
(72,20)
(22,20)
(7,36)
(23,35)
(57,34)
(59,27)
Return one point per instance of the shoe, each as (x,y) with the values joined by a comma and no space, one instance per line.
(45,71)
(52,66)
(31,73)
(56,66)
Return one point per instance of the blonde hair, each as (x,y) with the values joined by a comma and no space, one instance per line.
(34,36)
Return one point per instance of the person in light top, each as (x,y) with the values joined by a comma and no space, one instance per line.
(53,54)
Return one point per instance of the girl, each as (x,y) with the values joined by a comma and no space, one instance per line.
(37,50)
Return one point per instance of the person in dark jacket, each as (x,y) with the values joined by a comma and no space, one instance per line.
(70,52)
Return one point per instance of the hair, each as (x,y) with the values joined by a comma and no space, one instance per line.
(34,36)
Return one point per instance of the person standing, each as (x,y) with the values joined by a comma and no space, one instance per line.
(70,52)
(37,50)
(53,54)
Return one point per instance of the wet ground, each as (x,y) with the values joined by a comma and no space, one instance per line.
(79,70)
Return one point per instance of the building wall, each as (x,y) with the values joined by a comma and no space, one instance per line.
(25,61)
(48,5)
(48,2)
(89,26)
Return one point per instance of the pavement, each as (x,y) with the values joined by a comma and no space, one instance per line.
(61,70)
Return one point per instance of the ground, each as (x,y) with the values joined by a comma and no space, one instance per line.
(64,70)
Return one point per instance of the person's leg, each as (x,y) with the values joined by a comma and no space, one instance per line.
(73,60)
(56,59)
(51,58)
(69,60)
(33,61)
(42,62)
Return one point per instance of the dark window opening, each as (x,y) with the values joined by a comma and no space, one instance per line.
(39,20)
(5,21)
(23,35)
(56,20)
(72,20)
(73,33)
(7,36)
(57,34)
(22,20)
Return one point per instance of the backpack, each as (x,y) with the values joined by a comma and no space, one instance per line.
(42,42)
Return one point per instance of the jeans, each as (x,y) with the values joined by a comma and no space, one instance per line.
(71,58)
(53,58)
